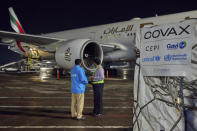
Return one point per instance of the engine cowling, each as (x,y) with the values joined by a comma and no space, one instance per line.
(83,49)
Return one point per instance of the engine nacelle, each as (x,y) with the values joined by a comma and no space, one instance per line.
(83,49)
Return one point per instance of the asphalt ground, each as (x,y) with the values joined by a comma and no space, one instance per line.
(28,103)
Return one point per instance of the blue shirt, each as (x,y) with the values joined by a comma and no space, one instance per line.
(78,80)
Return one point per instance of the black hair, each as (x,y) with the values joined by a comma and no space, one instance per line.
(77,61)
(97,61)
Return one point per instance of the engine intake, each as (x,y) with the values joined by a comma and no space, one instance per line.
(83,49)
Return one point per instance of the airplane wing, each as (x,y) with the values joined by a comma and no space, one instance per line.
(33,39)
(5,44)
(43,40)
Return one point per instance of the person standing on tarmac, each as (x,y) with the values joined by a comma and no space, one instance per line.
(78,82)
(98,85)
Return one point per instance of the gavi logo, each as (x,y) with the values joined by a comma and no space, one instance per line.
(180,45)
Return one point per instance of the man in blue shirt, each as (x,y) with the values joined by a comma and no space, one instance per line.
(78,82)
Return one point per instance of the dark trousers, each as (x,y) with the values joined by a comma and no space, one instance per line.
(98,101)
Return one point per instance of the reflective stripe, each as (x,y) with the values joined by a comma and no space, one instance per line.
(97,82)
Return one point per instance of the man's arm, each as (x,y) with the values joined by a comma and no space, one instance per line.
(82,77)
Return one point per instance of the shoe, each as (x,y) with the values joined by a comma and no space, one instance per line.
(73,117)
(82,118)
(98,115)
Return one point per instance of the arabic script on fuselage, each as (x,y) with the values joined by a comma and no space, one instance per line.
(117,29)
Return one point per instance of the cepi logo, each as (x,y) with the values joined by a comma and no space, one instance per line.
(180,45)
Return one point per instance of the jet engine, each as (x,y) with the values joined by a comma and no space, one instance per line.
(83,49)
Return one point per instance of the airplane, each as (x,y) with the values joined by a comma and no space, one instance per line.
(110,42)
(21,47)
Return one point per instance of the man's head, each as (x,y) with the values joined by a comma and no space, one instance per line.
(97,61)
(78,62)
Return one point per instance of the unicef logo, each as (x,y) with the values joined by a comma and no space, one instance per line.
(157,58)
(151,59)
(182,44)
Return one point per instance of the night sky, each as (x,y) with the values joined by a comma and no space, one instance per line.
(44,16)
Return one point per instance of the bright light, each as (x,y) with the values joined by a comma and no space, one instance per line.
(43,75)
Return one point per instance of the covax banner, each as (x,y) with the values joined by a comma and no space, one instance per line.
(166,49)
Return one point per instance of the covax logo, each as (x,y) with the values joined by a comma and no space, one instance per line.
(170,31)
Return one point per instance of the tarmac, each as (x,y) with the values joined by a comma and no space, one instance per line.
(28,102)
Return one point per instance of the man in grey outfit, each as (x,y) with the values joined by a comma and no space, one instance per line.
(98,85)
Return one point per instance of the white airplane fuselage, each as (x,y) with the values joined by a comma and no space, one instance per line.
(109,42)
(121,33)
